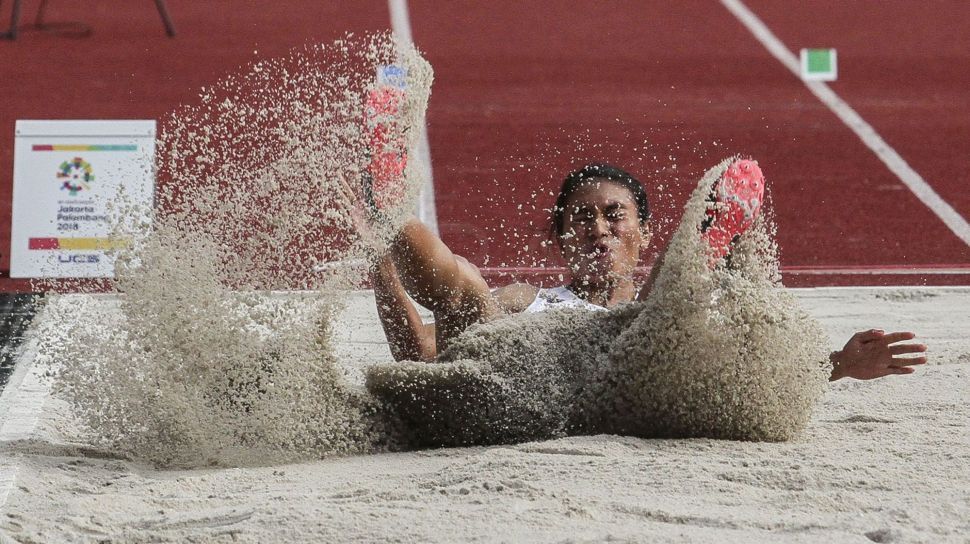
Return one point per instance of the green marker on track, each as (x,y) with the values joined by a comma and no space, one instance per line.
(819,64)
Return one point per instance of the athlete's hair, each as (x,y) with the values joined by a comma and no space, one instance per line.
(592,172)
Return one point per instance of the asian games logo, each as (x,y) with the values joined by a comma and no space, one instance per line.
(76,174)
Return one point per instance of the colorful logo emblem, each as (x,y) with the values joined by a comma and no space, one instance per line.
(75,175)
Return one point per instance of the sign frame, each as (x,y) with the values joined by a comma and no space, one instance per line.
(69,176)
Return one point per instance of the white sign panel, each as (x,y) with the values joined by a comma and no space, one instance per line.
(67,175)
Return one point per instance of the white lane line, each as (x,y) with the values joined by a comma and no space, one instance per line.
(857,124)
(891,269)
(20,406)
(877,271)
(8,478)
(401,26)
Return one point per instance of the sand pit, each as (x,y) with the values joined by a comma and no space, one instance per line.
(198,368)
(223,346)
(191,371)
(880,461)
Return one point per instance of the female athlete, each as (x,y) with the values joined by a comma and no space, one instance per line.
(601,222)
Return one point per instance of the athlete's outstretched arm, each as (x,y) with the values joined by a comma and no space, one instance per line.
(451,287)
(432,274)
(447,284)
(874,354)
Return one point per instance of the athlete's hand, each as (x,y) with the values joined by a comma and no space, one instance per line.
(874,354)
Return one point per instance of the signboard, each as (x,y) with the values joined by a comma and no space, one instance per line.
(68,176)
(819,64)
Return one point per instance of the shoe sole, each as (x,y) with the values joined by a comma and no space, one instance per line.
(733,205)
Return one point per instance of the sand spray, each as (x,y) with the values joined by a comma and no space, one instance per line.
(201,366)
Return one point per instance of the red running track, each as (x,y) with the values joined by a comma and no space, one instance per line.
(526,91)
(686,75)
(128,69)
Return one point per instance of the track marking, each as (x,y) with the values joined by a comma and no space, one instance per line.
(855,122)
(401,26)
(888,270)
(20,406)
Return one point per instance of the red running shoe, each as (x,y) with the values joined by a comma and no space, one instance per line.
(733,205)
(387,155)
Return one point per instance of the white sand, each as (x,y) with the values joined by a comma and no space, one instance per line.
(884,461)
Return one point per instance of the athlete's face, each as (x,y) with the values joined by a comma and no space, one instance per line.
(602,236)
